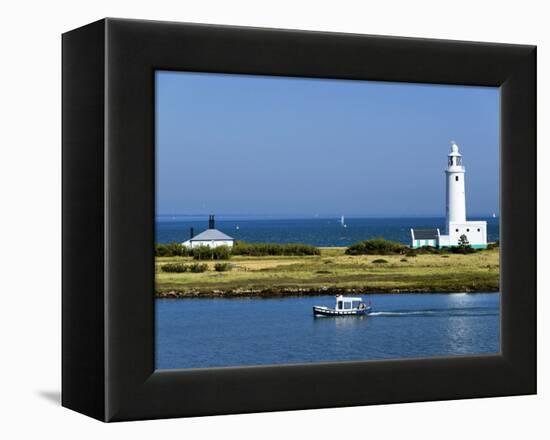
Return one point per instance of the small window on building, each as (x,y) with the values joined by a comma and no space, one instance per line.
(468,230)
(456,178)
(457,230)
(478,230)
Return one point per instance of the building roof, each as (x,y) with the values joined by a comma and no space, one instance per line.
(211,234)
(425,234)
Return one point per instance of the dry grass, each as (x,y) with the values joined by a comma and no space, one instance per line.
(333,271)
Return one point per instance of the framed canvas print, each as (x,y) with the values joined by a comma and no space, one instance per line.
(262,220)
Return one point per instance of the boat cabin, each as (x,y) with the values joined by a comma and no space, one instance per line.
(348,303)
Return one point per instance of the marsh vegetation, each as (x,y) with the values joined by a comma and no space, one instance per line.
(331,271)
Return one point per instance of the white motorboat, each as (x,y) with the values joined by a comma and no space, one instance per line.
(345,306)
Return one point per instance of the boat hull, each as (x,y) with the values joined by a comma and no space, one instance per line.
(325,311)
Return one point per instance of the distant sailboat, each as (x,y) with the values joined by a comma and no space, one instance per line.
(494,215)
(343,222)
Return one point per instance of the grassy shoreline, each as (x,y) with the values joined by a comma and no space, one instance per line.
(333,272)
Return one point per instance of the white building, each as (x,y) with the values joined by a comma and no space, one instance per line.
(211,237)
(456,224)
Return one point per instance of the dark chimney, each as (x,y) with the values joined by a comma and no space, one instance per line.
(191,233)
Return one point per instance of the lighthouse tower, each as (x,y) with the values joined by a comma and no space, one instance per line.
(456,196)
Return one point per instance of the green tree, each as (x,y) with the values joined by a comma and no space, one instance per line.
(463,246)
(463,241)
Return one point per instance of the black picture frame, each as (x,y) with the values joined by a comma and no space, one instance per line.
(108,219)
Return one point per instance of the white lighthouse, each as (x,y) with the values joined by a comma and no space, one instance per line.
(456,224)
(455,194)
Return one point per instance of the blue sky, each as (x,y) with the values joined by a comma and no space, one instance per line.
(300,147)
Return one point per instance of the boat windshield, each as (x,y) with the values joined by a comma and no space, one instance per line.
(356,304)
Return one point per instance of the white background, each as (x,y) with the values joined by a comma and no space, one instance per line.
(30,187)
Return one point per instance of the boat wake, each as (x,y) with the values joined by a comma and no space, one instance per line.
(438,312)
(416,312)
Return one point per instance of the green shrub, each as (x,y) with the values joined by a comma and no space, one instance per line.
(202,253)
(494,245)
(273,249)
(222,267)
(380,261)
(324,271)
(198,267)
(376,246)
(211,253)
(430,250)
(403,260)
(174,268)
(170,250)
(181,268)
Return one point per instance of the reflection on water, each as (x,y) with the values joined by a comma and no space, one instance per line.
(195,333)
(341,321)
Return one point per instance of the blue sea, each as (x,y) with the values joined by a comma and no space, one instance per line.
(217,332)
(314,231)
